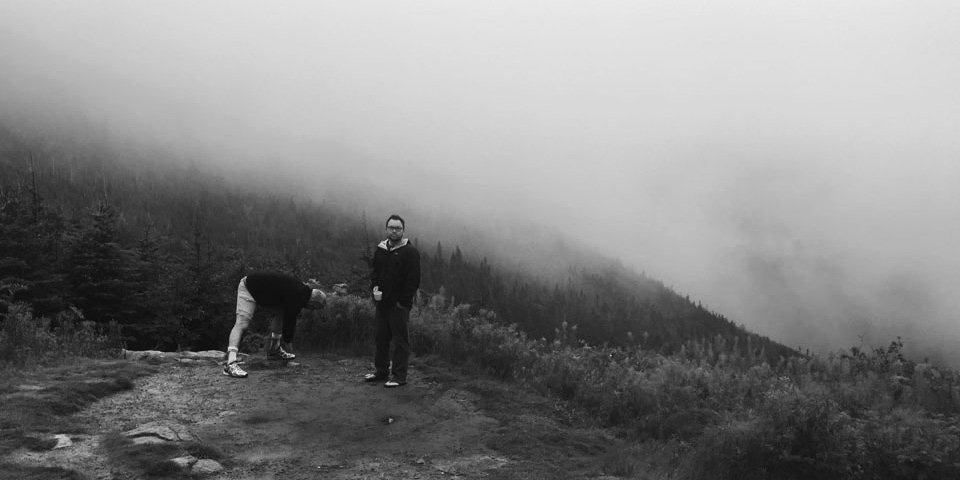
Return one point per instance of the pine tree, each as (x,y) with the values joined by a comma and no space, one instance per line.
(30,252)
(99,270)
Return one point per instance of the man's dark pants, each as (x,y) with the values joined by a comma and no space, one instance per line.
(392,325)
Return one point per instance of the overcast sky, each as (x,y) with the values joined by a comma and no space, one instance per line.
(794,165)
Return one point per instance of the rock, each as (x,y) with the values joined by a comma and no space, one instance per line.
(148,440)
(206,466)
(184,462)
(215,355)
(158,356)
(63,441)
(138,355)
(150,355)
(226,413)
(171,432)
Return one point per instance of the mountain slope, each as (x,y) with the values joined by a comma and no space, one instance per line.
(180,235)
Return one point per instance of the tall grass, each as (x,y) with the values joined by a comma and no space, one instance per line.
(26,340)
(853,415)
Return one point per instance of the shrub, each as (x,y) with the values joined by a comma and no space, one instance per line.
(797,434)
(344,322)
(28,340)
(867,414)
(474,340)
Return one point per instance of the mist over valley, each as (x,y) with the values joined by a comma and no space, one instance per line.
(790,168)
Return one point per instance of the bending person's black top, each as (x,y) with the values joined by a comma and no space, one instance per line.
(282,291)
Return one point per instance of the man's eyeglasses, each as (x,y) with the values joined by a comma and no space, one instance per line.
(394,228)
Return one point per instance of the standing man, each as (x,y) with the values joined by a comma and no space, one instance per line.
(283,294)
(395,278)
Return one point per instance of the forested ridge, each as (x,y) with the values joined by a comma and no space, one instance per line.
(156,244)
(103,244)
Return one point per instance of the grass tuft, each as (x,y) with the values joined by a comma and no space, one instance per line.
(39,444)
(69,389)
(23,472)
(201,450)
(150,459)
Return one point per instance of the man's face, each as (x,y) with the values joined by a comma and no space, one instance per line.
(394,230)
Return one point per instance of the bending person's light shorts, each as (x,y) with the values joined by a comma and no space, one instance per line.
(246,305)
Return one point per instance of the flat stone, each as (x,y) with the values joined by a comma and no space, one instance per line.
(148,440)
(137,355)
(151,355)
(207,466)
(204,355)
(160,431)
(184,462)
(170,432)
(63,441)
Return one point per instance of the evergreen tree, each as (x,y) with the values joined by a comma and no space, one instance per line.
(99,268)
(30,252)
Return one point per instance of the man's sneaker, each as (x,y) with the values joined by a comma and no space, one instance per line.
(233,369)
(394,383)
(373,377)
(280,353)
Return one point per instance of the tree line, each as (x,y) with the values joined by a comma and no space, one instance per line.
(155,246)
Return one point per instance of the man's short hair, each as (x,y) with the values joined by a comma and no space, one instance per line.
(317,297)
(395,217)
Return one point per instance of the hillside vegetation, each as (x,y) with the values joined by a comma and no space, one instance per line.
(96,253)
(156,245)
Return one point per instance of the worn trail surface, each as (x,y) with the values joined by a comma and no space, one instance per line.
(319,420)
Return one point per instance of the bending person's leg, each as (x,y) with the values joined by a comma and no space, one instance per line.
(235,334)
(246,306)
(276,326)
(279,346)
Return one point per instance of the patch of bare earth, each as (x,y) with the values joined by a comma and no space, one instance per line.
(319,420)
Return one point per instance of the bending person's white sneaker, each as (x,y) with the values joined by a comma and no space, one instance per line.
(233,369)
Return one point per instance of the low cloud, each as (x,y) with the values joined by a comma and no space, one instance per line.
(790,164)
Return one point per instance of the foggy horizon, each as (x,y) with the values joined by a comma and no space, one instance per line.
(792,166)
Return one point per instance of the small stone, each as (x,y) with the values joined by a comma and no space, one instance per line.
(185,462)
(171,432)
(147,440)
(226,413)
(63,441)
(207,466)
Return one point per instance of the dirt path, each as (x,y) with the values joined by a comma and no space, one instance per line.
(320,421)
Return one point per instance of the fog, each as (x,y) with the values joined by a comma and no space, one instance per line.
(792,165)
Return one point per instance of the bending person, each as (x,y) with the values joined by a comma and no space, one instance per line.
(281,292)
